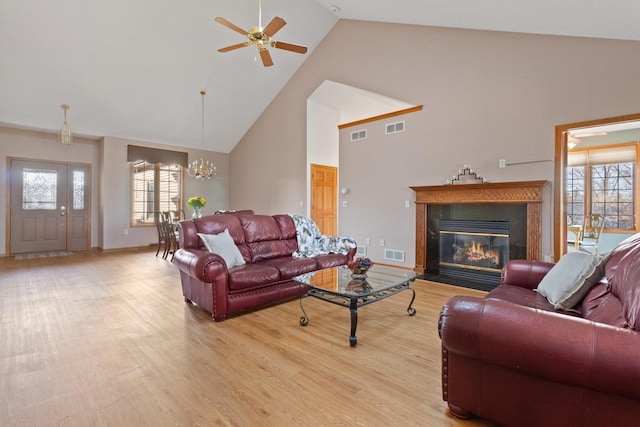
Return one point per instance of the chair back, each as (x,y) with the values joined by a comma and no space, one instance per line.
(158,219)
(593,228)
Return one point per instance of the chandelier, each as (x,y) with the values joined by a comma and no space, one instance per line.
(201,168)
(65,133)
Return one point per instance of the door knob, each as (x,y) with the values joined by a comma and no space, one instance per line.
(63,210)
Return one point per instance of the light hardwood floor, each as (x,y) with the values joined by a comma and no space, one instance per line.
(106,339)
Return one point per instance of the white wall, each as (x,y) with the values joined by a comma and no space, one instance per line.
(322,140)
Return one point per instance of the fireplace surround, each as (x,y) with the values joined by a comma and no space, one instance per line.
(516,203)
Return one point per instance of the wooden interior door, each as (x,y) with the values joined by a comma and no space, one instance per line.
(324,198)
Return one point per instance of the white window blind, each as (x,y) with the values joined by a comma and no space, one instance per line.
(602,155)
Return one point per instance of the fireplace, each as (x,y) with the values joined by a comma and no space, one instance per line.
(492,224)
(473,250)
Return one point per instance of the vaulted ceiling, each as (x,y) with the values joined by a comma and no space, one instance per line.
(135,69)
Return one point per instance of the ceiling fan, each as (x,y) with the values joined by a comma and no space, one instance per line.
(261,37)
(575,138)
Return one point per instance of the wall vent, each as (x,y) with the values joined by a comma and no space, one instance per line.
(394,127)
(358,135)
(394,255)
(361,251)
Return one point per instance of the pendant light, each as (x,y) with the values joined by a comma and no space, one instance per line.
(201,168)
(65,133)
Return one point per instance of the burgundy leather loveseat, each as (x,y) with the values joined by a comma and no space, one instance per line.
(512,359)
(266,244)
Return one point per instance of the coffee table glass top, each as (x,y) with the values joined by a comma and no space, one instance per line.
(339,280)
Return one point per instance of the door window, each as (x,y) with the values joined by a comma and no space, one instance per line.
(39,189)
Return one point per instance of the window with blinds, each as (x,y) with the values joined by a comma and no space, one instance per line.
(602,180)
(154,186)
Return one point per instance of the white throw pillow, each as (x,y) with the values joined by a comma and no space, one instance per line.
(222,244)
(570,279)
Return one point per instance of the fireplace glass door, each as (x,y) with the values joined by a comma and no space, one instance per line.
(474,250)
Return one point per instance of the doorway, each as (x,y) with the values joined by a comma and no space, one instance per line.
(49,206)
(560,177)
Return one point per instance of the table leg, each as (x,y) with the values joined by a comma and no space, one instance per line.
(353,340)
(410,309)
(304,320)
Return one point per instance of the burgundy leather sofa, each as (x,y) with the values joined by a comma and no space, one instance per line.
(266,244)
(512,359)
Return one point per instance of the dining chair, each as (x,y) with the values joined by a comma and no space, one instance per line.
(170,232)
(162,235)
(592,230)
(574,235)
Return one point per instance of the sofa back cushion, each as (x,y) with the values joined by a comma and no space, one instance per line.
(263,238)
(600,305)
(623,274)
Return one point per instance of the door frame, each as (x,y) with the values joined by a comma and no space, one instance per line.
(88,198)
(560,165)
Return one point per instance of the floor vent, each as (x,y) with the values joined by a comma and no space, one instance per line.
(394,127)
(361,251)
(394,255)
(359,135)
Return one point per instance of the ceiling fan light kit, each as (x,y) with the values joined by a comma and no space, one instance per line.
(261,38)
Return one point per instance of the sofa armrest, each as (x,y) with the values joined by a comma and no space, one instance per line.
(203,265)
(524,273)
(542,344)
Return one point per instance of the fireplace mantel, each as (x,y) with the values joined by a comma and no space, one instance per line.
(520,192)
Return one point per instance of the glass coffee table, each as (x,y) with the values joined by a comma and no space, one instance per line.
(338,286)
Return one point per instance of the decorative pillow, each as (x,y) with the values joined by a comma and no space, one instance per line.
(570,279)
(222,244)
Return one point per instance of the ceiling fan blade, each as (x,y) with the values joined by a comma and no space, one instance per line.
(274,26)
(266,58)
(228,24)
(233,47)
(290,47)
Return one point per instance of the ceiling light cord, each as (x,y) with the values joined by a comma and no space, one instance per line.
(203,93)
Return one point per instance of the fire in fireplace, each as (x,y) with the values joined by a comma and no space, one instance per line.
(473,250)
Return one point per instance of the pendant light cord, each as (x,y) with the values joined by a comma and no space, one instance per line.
(203,93)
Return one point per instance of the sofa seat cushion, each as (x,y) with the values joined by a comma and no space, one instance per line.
(330,260)
(521,296)
(600,305)
(252,276)
(290,267)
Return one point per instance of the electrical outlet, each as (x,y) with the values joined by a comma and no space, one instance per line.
(407,204)
(126,231)
(502,163)
(381,242)
(367,241)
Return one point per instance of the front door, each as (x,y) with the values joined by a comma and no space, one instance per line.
(41,216)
